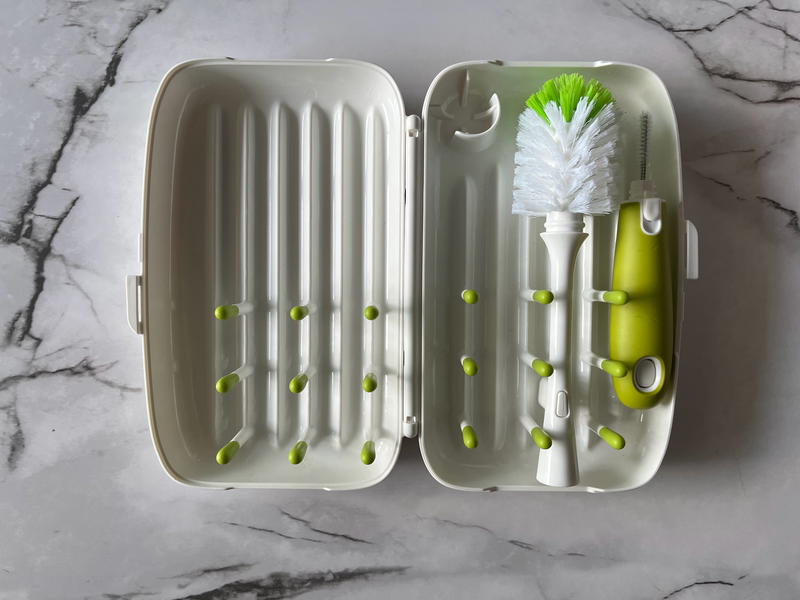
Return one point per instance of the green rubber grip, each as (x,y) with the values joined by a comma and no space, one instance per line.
(642,327)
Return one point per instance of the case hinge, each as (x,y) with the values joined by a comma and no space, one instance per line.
(411,277)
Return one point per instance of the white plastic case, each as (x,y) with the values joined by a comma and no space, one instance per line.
(283,183)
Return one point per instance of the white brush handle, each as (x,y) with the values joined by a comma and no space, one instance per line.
(558,465)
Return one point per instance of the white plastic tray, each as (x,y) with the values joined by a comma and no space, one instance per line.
(294,182)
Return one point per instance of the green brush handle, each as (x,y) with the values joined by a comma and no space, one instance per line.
(642,327)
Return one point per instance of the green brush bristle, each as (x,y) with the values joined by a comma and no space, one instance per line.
(566,90)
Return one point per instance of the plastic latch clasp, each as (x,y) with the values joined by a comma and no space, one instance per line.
(133,295)
(692,252)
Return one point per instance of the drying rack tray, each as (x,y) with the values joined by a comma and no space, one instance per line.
(472,241)
(272,185)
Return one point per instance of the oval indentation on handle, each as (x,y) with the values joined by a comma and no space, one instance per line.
(562,404)
(648,374)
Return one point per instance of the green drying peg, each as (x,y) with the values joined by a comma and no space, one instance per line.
(611,437)
(543,368)
(539,435)
(227,452)
(298,453)
(371,312)
(614,368)
(369,383)
(227,382)
(469,365)
(540,438)
(469,436)
(226,311)
(298,313)
(470,296)
(542,296)
(615,297)
(298,383)
(368,452)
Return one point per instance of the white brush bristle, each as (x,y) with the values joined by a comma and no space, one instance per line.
(566,166)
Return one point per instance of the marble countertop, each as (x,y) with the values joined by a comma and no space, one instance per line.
(88,512)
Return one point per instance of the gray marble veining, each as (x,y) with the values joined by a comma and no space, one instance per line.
(87,512)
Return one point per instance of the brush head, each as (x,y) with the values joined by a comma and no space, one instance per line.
(567,150)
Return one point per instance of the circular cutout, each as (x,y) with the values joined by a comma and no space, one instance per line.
(469,121)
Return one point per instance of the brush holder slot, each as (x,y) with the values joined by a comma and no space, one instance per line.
(467,120)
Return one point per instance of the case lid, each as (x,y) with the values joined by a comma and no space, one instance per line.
(273,186)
